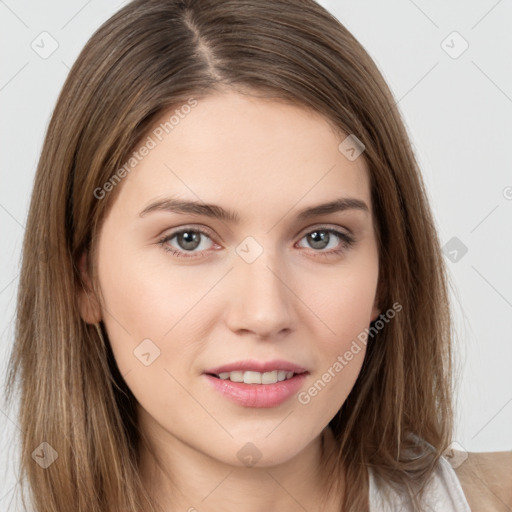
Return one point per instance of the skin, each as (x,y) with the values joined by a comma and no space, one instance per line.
(265,160)
(486,479)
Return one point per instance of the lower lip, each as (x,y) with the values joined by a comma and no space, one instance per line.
(258,395)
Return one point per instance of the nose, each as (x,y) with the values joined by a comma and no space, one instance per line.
(261,300)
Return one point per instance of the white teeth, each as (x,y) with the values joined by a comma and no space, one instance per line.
(256,377)
(269,377)
(252,378)
(236,376)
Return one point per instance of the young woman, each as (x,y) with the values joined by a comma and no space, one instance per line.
(232,294)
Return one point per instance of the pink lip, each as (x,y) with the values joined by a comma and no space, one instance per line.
(258,395)
(257,366)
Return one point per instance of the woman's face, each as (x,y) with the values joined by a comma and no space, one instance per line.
(189,289)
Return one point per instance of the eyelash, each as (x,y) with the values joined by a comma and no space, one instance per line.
(346,240)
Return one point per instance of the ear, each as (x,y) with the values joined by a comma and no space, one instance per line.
(375,311)
(378,300)
(88,304)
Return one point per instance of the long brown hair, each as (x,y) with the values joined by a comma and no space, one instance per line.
(156,54)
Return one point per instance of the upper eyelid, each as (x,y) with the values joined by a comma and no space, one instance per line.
(207,231)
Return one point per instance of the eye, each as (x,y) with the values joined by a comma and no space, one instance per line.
(190,239)
(187,239)
(328,238)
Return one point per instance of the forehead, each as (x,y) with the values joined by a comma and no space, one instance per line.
(247,153)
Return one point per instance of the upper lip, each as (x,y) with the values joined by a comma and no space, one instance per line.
(257,366)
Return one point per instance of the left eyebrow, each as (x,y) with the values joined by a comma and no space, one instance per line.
(338,205)
(174,205)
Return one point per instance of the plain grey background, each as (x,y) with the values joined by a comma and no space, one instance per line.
(449,67)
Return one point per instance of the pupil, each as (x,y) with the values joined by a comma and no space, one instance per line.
(190,239)
(322,239)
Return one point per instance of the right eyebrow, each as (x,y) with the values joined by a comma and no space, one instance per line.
(173,205)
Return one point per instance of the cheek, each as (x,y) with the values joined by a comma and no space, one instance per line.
(152,308)
(344,306)
(344,301)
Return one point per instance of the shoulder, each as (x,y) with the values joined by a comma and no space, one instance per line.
(486,479)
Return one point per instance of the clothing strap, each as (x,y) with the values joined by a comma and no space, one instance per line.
(444,493)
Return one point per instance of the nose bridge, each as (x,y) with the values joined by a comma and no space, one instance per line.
(261,300)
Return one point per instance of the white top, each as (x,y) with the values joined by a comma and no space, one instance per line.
(444,493)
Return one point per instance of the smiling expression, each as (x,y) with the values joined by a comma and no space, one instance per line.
(245,235)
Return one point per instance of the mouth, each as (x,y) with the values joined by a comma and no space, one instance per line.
(257,384)
(253,377)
